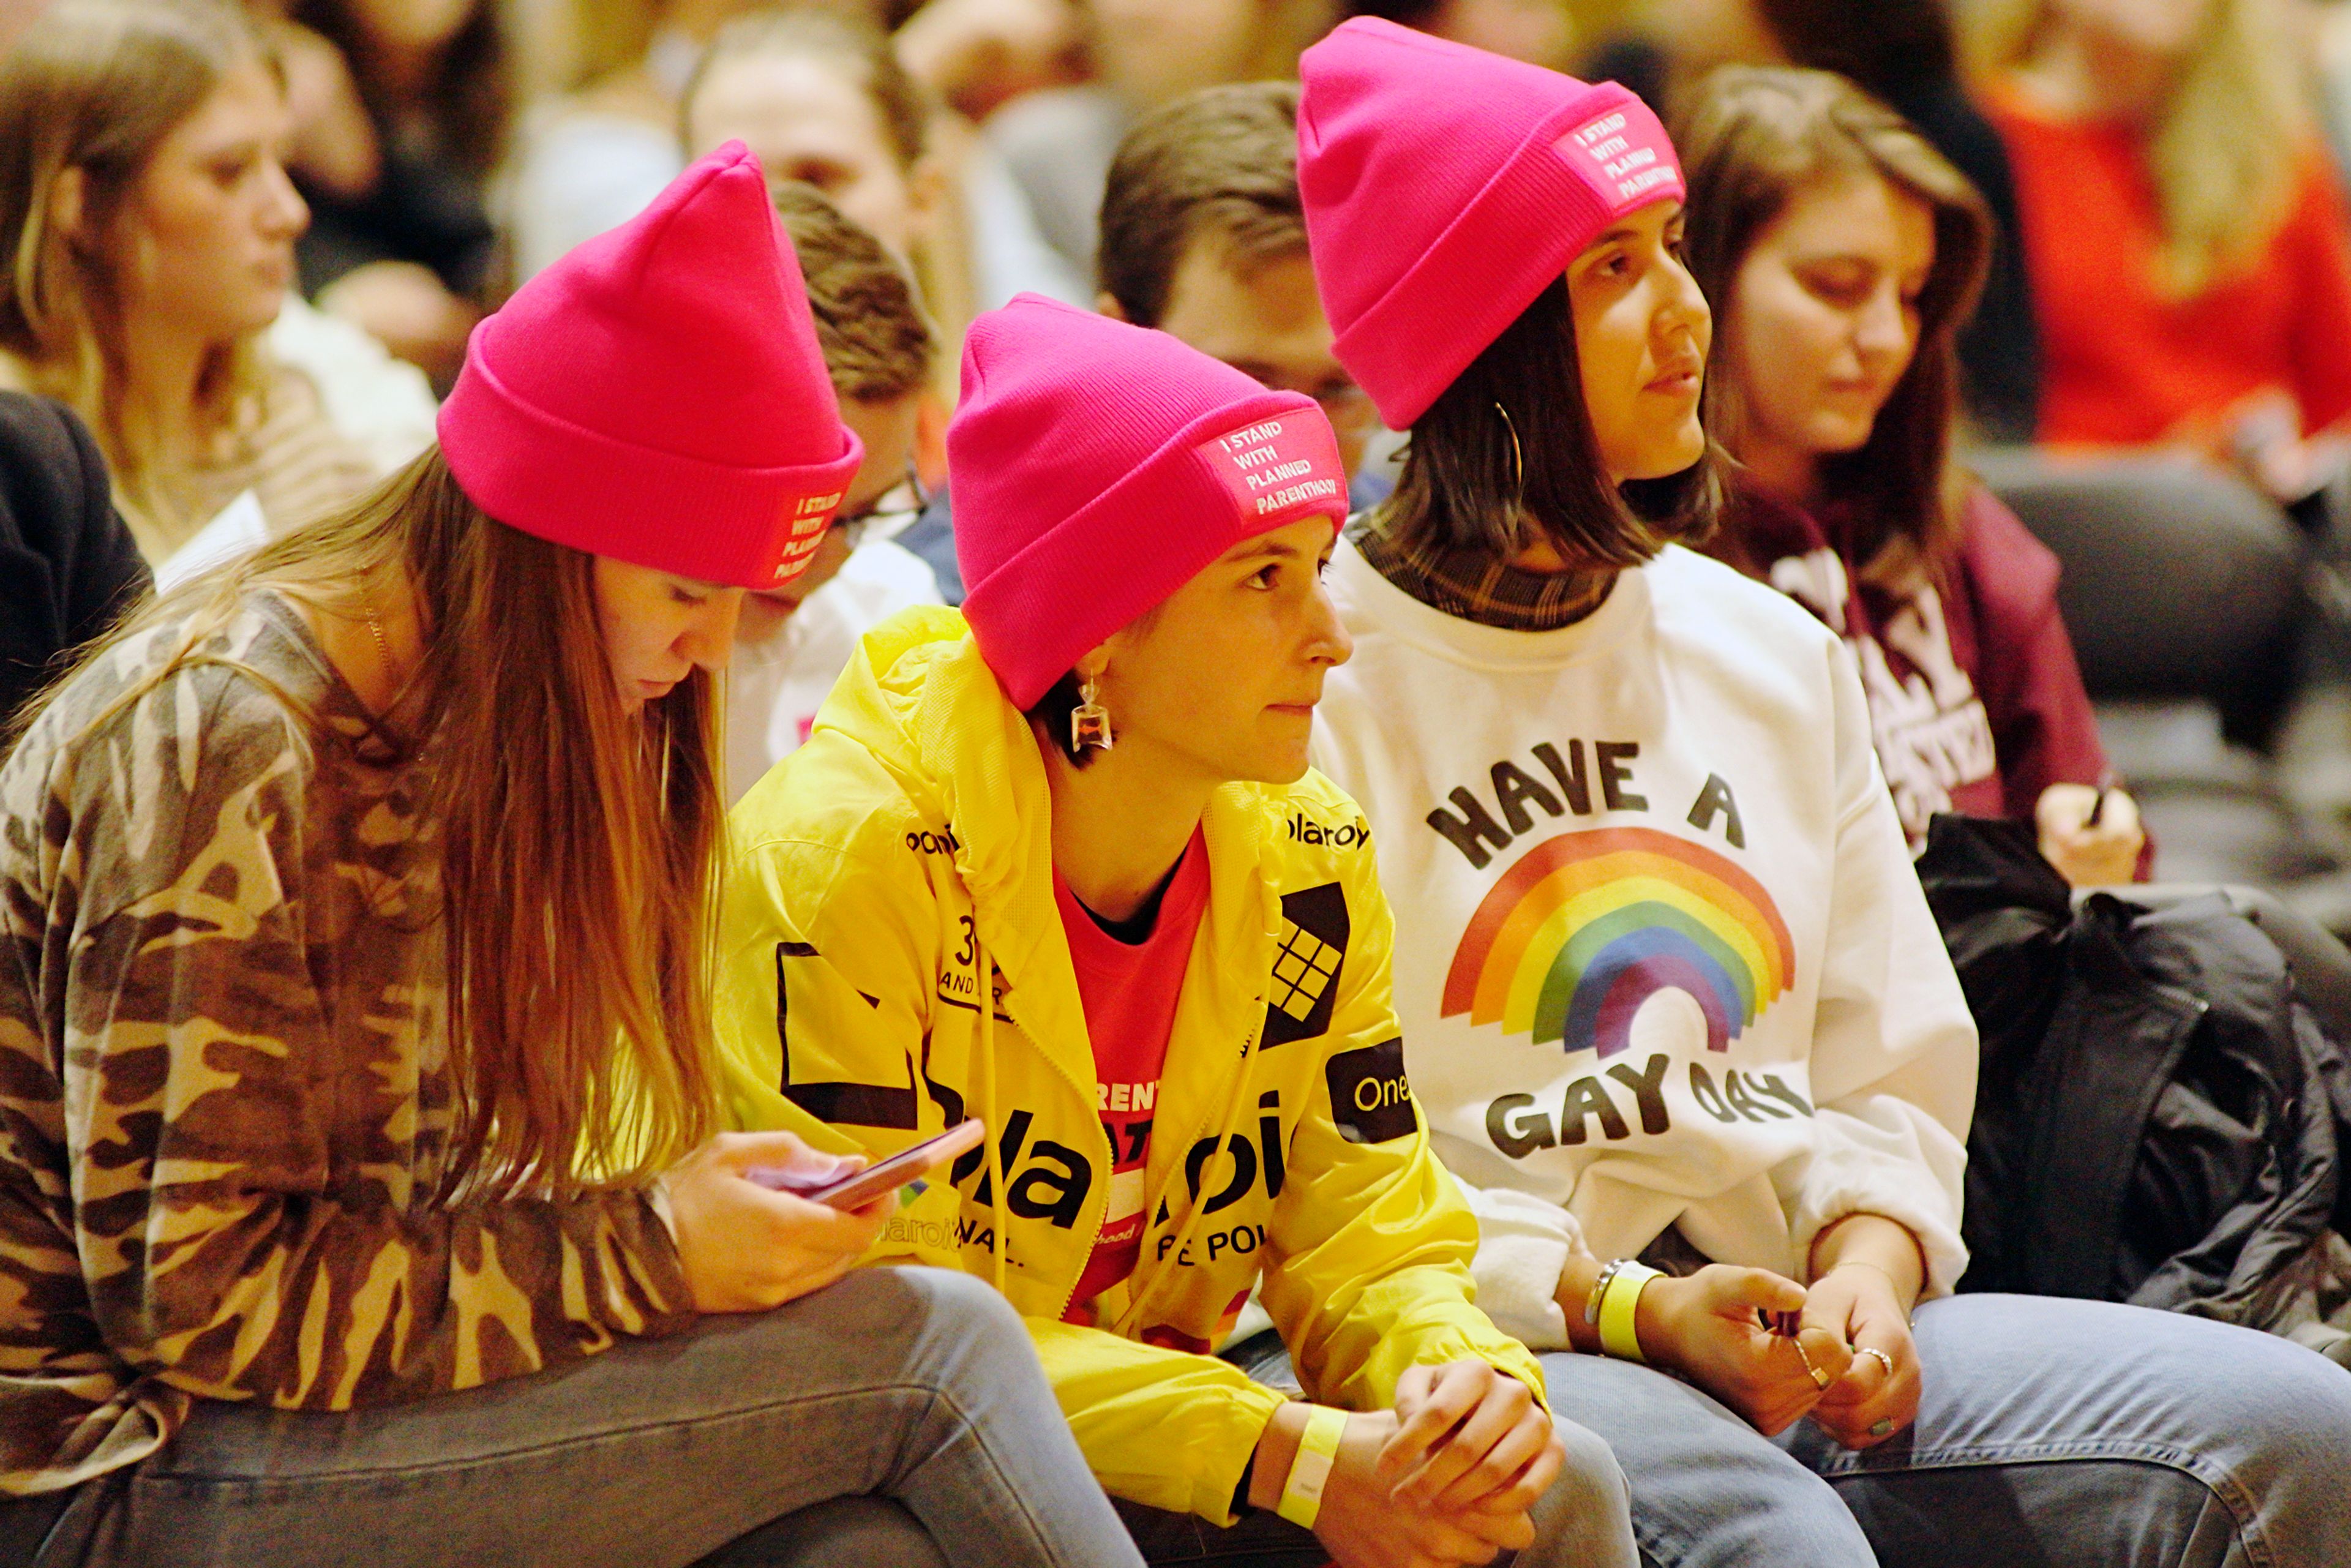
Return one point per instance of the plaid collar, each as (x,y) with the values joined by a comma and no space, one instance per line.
(1476,585)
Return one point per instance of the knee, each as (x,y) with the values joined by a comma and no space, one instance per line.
(1591,1480)
(968,1317)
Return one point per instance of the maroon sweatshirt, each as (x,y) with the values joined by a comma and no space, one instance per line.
(1975,700)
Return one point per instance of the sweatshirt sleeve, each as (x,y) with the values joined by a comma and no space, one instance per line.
(1523,1245)
(1894,1047)
(232,1243)
(1369,1267)
(2044,731)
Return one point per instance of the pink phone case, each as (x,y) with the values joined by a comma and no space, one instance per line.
(858,1188)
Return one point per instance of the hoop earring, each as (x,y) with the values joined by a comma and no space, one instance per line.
(1517,459)
(1089,721)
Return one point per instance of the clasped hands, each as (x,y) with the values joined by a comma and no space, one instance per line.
(1449,1475)
(1852,1365)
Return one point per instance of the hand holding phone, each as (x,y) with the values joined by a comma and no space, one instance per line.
(860,1188)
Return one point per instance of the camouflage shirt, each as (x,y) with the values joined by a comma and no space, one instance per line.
(224,1096)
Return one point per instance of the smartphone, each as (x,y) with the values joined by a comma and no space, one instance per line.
(862,1187)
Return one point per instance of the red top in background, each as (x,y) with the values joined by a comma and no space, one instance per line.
(1130,991)
(2122,363)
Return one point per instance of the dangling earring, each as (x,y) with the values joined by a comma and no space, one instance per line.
(1517,459)
(1089,721)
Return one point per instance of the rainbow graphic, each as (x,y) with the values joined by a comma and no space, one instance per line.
(1587,926)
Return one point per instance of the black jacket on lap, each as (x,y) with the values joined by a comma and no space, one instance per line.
(68,564)
(2158,1115)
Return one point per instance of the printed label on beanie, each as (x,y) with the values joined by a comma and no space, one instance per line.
(1279,469)
(1623,155)
(806,519)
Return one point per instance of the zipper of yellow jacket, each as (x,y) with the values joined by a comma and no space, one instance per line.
(999,1238)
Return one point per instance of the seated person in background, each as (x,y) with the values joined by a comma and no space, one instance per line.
(68,564)
(2188,241)
(1841,253)
(1540,32)
(1668,985)
(407,251)
(1056,144)
(823,102)
(1203,237)
(141,191)
(793,642)
(1062,866)
(355,1013)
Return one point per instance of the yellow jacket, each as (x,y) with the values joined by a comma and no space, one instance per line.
(904,851)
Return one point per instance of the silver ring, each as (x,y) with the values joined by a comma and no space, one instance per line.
(1884,1360)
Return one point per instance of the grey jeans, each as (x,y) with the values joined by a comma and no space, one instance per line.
(897,1418)
(2050,1434)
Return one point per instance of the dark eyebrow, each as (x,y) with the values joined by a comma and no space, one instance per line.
(1266,545)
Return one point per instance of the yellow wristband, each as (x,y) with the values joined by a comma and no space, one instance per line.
(1617,1305)
(1318,1445)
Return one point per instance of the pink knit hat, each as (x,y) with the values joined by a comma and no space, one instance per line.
(1098,466)
(657,394)
(1446,187)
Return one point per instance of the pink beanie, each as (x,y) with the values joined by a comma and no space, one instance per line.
(657,394)
(1446,187)
(1098,467)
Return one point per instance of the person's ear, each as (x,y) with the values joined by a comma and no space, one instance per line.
(68,196)
(1094,661)
(1106,304)
(928,189)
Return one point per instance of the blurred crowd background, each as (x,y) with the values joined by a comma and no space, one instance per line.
(252,287)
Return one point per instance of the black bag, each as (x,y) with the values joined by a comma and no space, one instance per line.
(2158,1114)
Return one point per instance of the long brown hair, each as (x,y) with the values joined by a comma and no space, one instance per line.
(1753,141)
(580,868)
(94,85)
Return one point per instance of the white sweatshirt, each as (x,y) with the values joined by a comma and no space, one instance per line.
(774,688)
(1661,956)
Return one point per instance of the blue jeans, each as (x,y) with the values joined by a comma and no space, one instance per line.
(897,1418)
(2050,1434)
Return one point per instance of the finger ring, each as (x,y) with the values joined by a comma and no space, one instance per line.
(1884,1425)
(1884,1360)
(1820,1379)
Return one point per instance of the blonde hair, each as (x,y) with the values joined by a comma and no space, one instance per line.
(2225,149)
(94,86)
(580,842)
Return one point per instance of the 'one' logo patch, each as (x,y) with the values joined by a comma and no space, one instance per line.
(1371,1099)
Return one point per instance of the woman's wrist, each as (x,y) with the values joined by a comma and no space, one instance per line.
(1887,1246)
(1575,1281)
(1277,1450)
(1653,1313)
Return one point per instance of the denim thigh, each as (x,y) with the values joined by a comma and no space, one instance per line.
(916,1384)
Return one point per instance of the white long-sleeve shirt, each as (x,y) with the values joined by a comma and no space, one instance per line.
(1661,956)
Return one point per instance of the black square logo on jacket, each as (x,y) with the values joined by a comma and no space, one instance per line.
(1305,983)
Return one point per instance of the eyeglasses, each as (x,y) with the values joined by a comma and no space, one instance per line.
(889,511)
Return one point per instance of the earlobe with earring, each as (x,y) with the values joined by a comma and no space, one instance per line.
(1089,721)
(1518,458)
